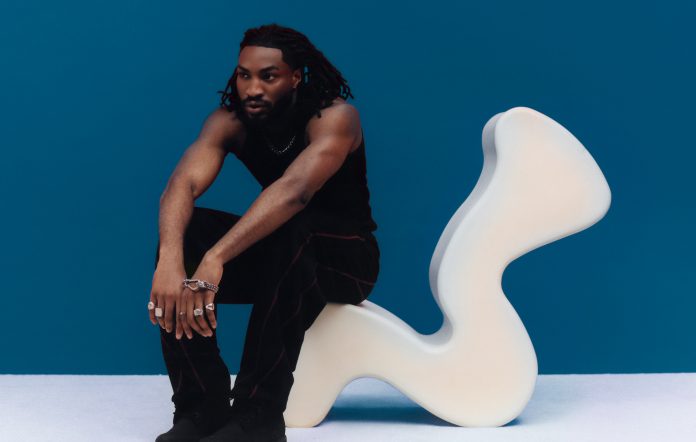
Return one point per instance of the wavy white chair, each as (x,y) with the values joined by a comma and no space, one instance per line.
(538,184)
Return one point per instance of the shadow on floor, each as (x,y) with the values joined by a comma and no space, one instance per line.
(391,414)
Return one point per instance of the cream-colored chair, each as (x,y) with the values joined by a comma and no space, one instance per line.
(538,184)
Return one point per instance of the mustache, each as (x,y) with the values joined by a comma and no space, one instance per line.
(256,102)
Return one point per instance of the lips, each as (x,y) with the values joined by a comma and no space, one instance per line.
(254,108)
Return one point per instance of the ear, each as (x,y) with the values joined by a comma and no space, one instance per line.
(297,77)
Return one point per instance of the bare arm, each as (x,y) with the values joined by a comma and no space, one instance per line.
(195,172)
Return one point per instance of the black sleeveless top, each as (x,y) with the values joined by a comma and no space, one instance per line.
(345,193)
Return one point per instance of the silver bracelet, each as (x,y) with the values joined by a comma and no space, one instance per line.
(200,284)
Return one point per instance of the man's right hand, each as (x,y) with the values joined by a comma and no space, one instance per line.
(167,286)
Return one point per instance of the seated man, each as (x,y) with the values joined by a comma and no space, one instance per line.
(306,240)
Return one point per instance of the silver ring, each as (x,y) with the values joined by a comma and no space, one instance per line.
(210,306)
(150,305)
(182,313)
(198,312)
(158,312)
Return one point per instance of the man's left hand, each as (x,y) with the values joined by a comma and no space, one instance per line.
(210,270)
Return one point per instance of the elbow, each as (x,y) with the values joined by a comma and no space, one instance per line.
(299,191)
(304,198)
(177,187)
(303,195)
(164,195)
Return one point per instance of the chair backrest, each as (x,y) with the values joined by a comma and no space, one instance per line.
(538,184)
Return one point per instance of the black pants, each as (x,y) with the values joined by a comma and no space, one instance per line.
(288,276)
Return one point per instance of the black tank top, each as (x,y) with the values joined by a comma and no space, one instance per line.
(345,193)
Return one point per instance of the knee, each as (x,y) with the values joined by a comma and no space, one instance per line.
(191,246)
(199,227)
(199,218)
(203,229)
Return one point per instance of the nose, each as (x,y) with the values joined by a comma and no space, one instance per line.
(254,90)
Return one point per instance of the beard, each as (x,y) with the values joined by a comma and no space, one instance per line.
(278,115)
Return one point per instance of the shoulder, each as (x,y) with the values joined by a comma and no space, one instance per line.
(338,119)
(224,128)
(338,111)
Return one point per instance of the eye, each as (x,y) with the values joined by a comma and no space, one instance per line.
(269,76)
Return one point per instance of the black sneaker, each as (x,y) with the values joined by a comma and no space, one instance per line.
(192,425)
(186,428)
(252,423)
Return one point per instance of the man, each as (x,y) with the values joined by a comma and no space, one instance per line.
(305,241)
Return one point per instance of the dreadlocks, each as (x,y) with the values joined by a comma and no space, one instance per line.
(321,81)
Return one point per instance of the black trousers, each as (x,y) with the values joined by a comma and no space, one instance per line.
(288,276)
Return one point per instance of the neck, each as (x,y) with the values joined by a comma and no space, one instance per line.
(279,126)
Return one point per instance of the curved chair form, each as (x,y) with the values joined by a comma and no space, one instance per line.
(538,184)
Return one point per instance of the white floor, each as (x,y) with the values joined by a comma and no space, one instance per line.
(564,408)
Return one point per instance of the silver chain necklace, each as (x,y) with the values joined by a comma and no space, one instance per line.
(275,149)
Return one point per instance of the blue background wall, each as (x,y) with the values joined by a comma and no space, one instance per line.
(100,99)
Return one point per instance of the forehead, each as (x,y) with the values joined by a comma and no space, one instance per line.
(259,57)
